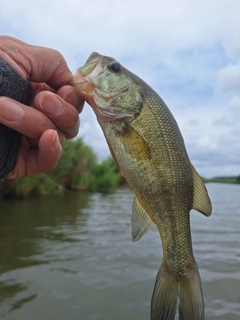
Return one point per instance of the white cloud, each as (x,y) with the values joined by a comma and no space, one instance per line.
(232,114)
(188,51)
(228,78)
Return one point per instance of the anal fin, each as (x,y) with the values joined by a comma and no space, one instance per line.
(140,222)
(201,200)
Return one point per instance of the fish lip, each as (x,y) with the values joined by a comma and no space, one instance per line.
(80,83)
(88,67)
(82,79)
(93,61)
(93,57)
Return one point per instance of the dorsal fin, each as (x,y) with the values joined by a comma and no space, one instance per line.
(201,201)
(140,222)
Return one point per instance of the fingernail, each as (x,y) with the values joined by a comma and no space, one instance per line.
(71,98)
(50,104)
(55,140)
(10,110)
(61,137)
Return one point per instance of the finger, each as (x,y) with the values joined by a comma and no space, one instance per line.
(46,157)
(49,66)
(39,87)
(26,120)
(61,113)
(67,92)
(37,160)
(34,63)
(72,96)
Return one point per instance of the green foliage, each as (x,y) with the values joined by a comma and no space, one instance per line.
(78,169)
(225,180)
(106,175)
(38,183)
(77,159)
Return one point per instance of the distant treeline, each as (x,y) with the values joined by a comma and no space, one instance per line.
(233,180)
(78,169)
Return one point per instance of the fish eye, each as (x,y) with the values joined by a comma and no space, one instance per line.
(114,66)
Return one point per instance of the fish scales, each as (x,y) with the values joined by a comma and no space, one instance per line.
(175,244)
(147,145)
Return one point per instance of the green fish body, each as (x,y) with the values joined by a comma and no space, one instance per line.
(147,145)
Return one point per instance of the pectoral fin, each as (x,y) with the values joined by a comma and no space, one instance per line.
(201,201)
(134,144)
(140,222)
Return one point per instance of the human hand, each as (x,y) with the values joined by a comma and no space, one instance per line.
(54,115)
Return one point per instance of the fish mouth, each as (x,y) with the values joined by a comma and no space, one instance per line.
(91,67)
(82,79)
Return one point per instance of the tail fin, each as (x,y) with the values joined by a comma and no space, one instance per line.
(182,289)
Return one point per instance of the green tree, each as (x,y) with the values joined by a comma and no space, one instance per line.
(107,175)
(78,169)
(77,159)
(238,179)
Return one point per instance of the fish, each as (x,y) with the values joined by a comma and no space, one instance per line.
(149,150)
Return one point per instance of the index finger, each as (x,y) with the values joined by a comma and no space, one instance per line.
(34,63)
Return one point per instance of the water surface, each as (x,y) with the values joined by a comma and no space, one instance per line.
(71,257)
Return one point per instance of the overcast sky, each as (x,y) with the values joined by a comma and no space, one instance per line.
(188,51)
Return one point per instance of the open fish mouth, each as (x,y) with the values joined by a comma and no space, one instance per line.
(88,68)
(82,79)
(92,66)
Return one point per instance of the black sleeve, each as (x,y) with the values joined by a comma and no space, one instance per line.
(12,86)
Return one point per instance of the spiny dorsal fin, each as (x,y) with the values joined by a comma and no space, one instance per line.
(201,201)
(140,222)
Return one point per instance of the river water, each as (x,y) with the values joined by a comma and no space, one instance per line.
(71,257)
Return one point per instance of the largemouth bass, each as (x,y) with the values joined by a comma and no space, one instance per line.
(147,145)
